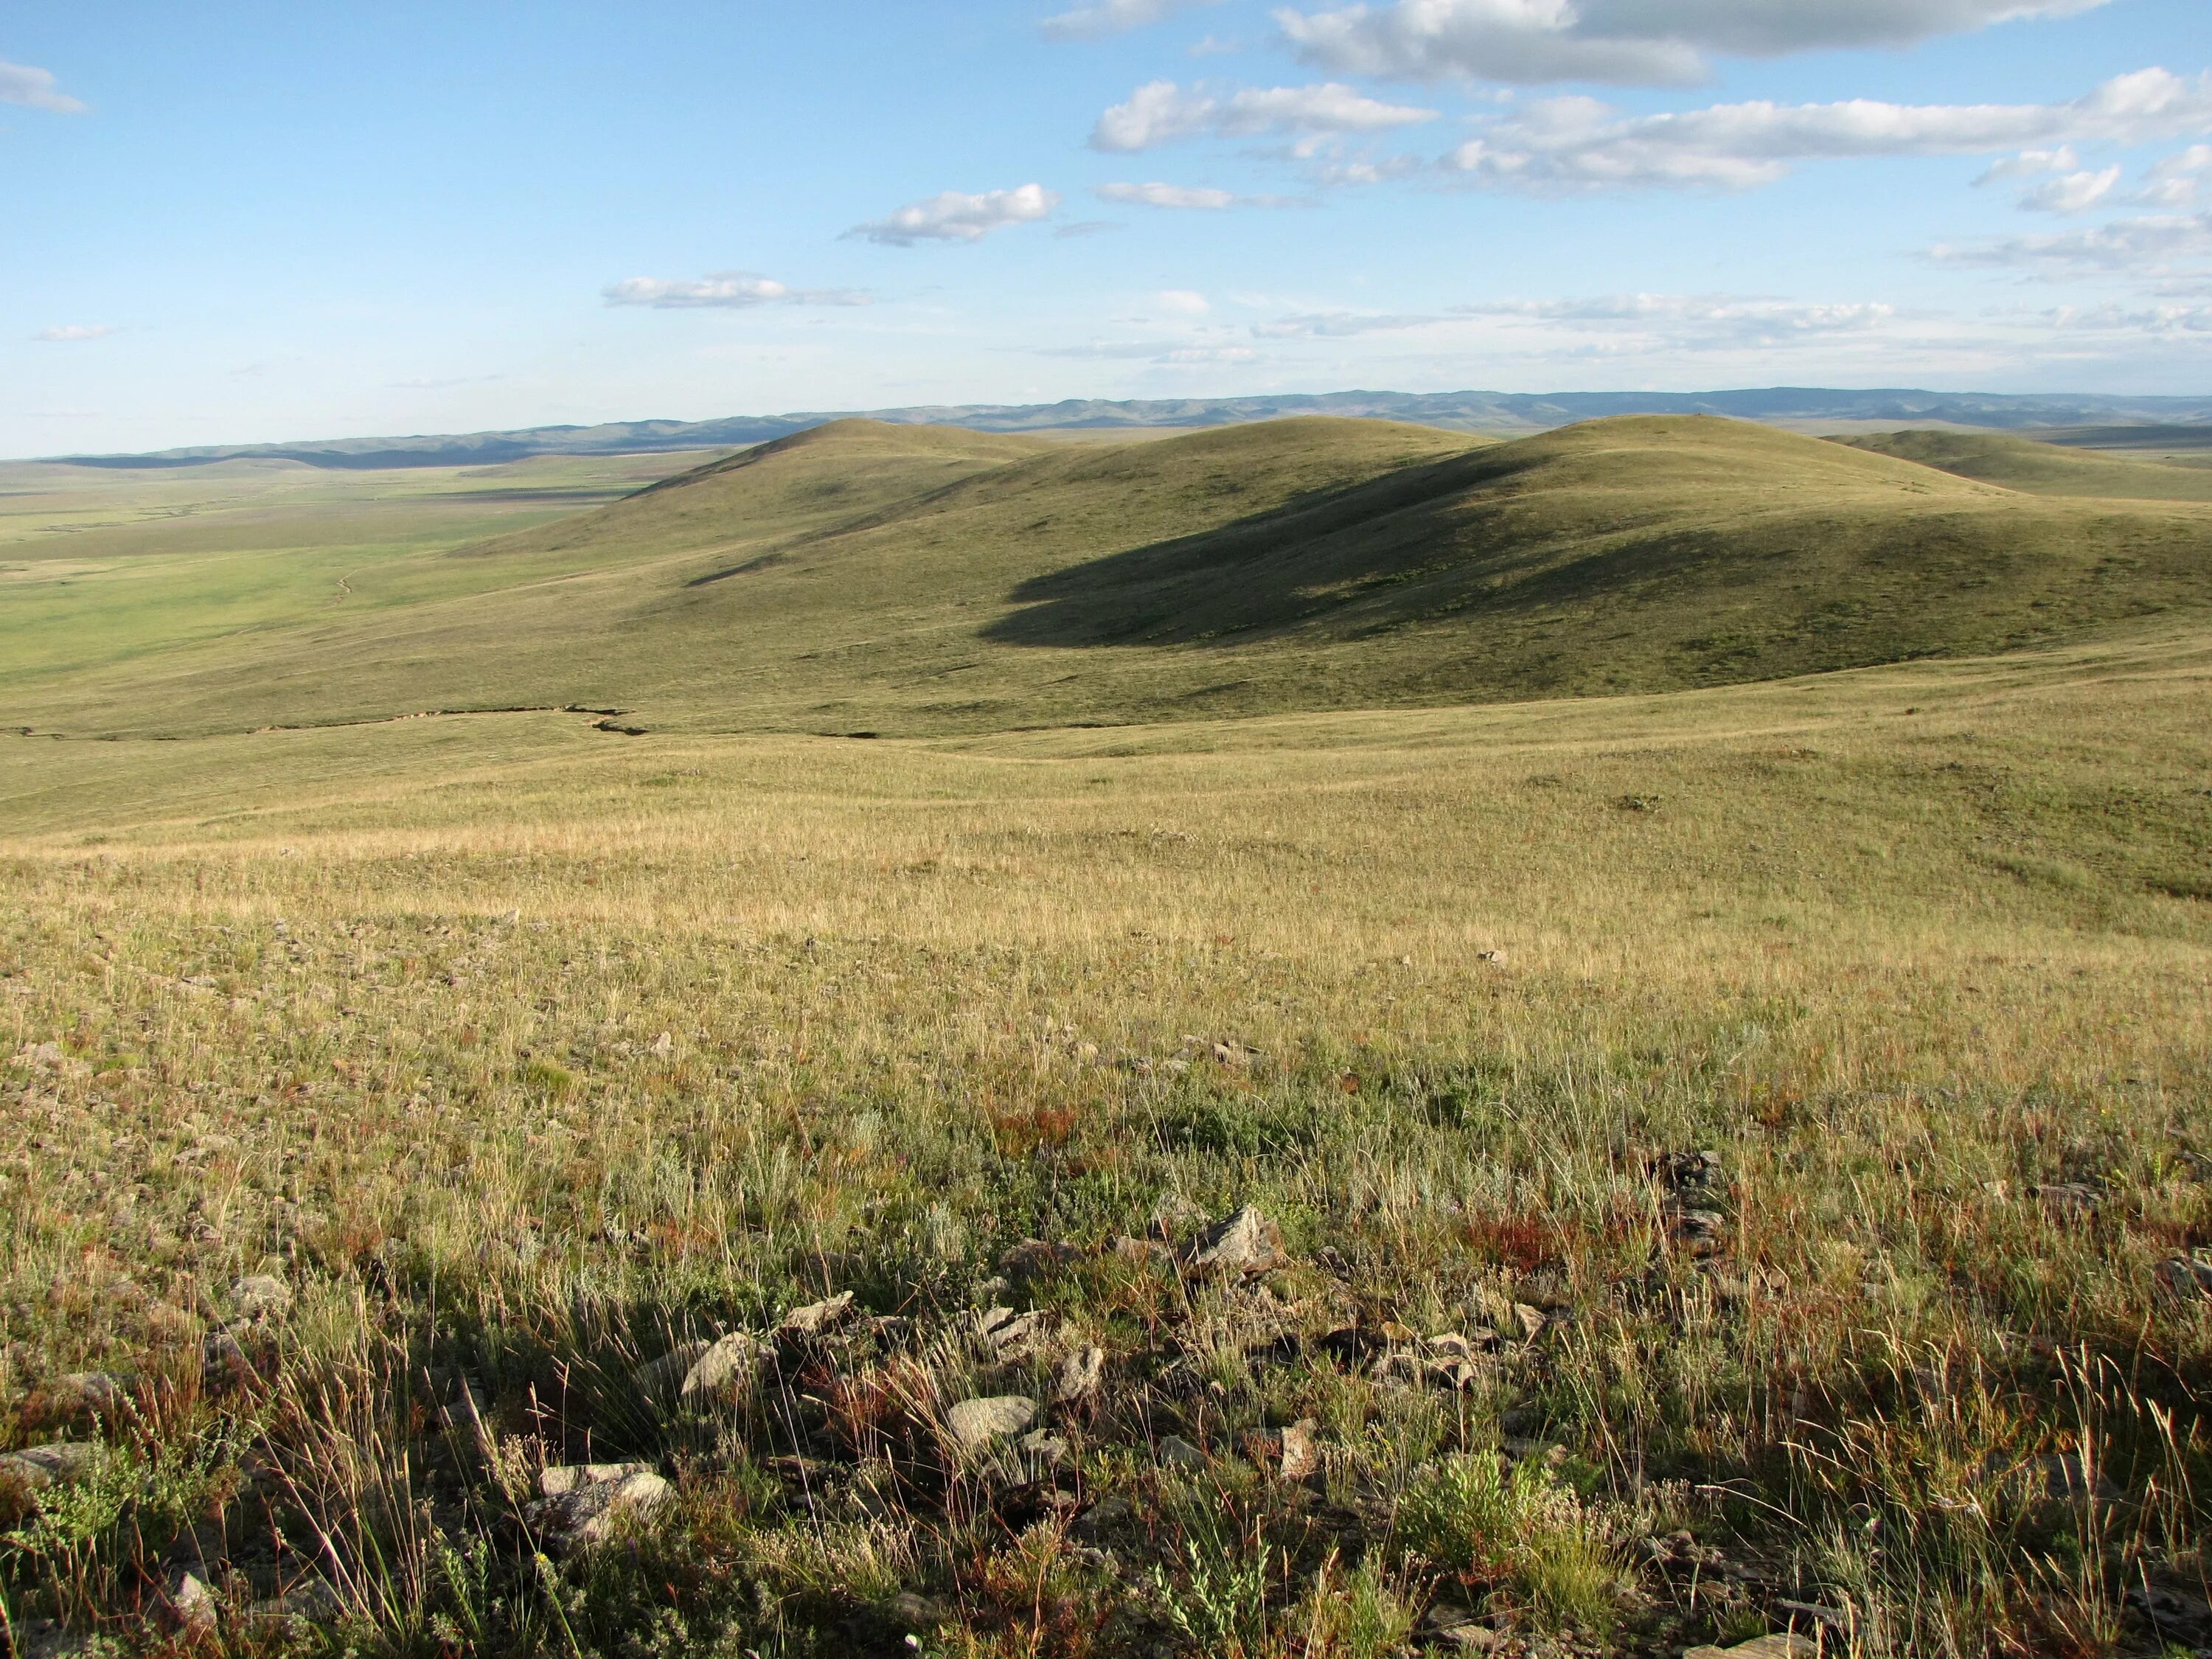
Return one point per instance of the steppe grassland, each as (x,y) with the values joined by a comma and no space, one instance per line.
(524,1050)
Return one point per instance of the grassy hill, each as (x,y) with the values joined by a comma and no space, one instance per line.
(900,579)
(2043,469)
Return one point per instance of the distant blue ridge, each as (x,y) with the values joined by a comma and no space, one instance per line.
(1473,411)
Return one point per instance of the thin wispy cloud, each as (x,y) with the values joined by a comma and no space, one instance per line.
(722,291)
(2076,192)
(1188,198)
(35,89)
(1620,42)
(1582,145)
(1162,112)
(70,333)
(1105,17)
(954,217)
(2140,246)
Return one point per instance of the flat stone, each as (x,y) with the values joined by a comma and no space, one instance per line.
(37,1468)
(1081,1375)
(1245,1245)
(975,1423)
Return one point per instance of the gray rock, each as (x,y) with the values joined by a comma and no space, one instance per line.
(1020,1337)
(2068,1200)
(1245,1244)
(818,1318)
(726,1370)
(1302,1450)
(61,1464)
(1177,1453)
(1457,1626)
(915,1613)
(1081,1375)
(2185,1278)
(42,1638)
(262,1297)
(88,1393)
(584,1504)
(659,1380)
(975,1423)
(224,1364)
(193,1603)
(1046,1448)
(1766,1647)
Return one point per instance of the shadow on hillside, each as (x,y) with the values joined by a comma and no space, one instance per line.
(1268,571)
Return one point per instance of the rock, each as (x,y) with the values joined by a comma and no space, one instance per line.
(1301,1449)
(1546,1288)
(61,1464)
(262,1297)
(975,1423)
(92,1392)
(1177,1453)
(312,1602)
(1020,1337)
(1766,1647)
(817,1318)
(193,1603)
(1530,1320)
(1142,1250)
(726,1371)
(1245,1244)
(2060,1478)
(659,1380)
(1682,1172)
(42,1638)
(2068,1200)
(2184,1276)
(1081,1375)
(224,1364)
(1103,1516)
(1457,1626)
(1048,1448)
(1496,958)
(1697,1230)
(586,1502)
(915,1613)
(1034,1259)
(2177,1614)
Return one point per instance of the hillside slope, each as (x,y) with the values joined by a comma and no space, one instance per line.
(2043,469)
(866,577)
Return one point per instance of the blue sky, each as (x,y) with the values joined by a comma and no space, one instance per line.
(233,222)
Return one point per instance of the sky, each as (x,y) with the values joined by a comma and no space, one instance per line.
(242,222)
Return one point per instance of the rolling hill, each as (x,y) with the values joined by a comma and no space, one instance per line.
(872,577)
(2043,469)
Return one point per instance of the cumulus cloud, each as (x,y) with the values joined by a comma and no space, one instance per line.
(66,333)
(1162,112)
(2138,246)
(956,216)
(721,290)
(1104,17)
(34,88)
(2030,162)
(1191,199)
(1568,144)
(2076,192)
(2173,183)
(1621,42)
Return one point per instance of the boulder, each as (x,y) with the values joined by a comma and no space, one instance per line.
(1245,1244)
(976,1423)
(1766,1647)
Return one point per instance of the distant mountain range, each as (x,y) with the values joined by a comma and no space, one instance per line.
(1502,413)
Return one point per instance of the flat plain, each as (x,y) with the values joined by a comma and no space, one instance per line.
(1587,1045)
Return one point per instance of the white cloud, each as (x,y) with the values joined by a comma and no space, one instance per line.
(1567,144)
(2173,182)
(71,332)
(2076,192)
(1104,17)
(1191,199)
(1623,42)
(1702,322)
(1184,301)
(2030,162)
(955,216)
(34,88)
(2166,321)
(1181,353)
(1339,326)
(1161,111)
(2133,245)
(721,290)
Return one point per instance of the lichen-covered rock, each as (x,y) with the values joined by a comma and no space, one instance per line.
(976,1423)
(1245,1243)
(584,1503)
